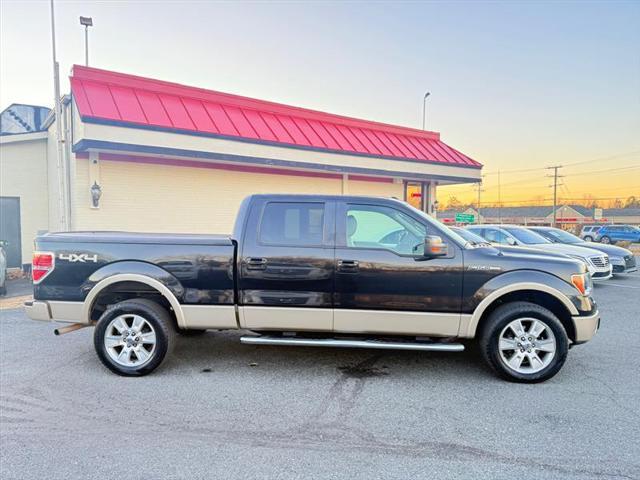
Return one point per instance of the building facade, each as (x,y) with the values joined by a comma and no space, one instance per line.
(147,155)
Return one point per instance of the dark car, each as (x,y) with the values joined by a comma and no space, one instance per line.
(621,259)
(328,271)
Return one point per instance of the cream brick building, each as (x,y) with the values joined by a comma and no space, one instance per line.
(170,158)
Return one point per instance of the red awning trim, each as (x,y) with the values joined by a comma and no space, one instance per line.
(119,99)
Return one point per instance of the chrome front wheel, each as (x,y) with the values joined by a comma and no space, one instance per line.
(527,345)
(524,342)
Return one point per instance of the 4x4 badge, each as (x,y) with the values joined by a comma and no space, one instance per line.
(78,257)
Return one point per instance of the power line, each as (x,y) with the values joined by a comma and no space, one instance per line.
(612,157)
(608,170)
(599,159)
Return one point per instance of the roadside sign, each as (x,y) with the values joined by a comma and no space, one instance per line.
(465,218)
(597,213)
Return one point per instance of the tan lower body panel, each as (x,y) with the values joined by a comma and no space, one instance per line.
(67,312)
(285,318)
(209,316)
(396,322)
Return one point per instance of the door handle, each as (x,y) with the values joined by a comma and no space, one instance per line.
(349,266)
(256,263)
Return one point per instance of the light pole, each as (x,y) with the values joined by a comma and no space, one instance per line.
(424,110)
(57,105)
(87,22)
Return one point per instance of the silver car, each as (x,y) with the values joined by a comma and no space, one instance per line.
(621,259)
(597,262)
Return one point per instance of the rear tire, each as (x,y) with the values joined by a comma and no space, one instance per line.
(606,240)
(588,239)
(133,337)
(535,354)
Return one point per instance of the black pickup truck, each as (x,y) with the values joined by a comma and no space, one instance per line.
(331,271)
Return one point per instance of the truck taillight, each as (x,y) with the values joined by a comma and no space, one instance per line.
(42,265)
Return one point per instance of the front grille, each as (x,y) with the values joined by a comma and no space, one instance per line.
(599,262)
(618,268)
(630,261)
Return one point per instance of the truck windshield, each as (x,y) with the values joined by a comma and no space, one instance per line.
(526,236)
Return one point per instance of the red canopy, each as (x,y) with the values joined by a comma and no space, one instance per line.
(115,98)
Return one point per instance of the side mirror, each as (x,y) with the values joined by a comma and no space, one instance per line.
(511,241)
(434,247)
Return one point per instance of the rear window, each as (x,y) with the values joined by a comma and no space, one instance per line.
(294,224)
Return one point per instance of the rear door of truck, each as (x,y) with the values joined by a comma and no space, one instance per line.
(286,274)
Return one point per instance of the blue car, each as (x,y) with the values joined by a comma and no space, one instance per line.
(618,233)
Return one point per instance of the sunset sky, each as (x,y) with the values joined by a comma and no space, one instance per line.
(518,86)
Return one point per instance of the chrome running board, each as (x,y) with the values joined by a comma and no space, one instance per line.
(331,342)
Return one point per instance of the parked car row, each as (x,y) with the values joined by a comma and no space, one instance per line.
(602,260)
(610,234)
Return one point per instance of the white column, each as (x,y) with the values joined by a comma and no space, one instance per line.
(431,198)
(345,184)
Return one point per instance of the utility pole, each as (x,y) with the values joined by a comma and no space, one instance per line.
(62,204)
(555,176)
(480,189)
(499,200)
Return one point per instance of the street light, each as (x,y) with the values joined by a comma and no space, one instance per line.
(87,22)
(424,110)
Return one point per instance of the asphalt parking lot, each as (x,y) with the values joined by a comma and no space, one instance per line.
(219,409)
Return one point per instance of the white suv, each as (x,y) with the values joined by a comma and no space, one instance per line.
(588,234)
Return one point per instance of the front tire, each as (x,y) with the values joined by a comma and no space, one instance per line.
(524,342)
(588,239)
(132,337)
(606,240)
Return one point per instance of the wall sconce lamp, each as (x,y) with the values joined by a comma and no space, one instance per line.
(435,206)
(96,193)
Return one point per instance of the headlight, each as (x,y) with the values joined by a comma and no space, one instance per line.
(583,260)
(583,282)
(578,257)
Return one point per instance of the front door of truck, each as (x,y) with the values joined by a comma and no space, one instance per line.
(381,285)
(287,265)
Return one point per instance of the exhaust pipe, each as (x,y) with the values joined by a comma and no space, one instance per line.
(71,328)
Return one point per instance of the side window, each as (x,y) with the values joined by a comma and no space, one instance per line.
(293,224)
(374,226)
(495,236)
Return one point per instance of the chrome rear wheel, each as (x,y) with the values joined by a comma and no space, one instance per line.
(130,340)
(133,337)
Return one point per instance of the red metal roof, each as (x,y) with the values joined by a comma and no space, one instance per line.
(111,97)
